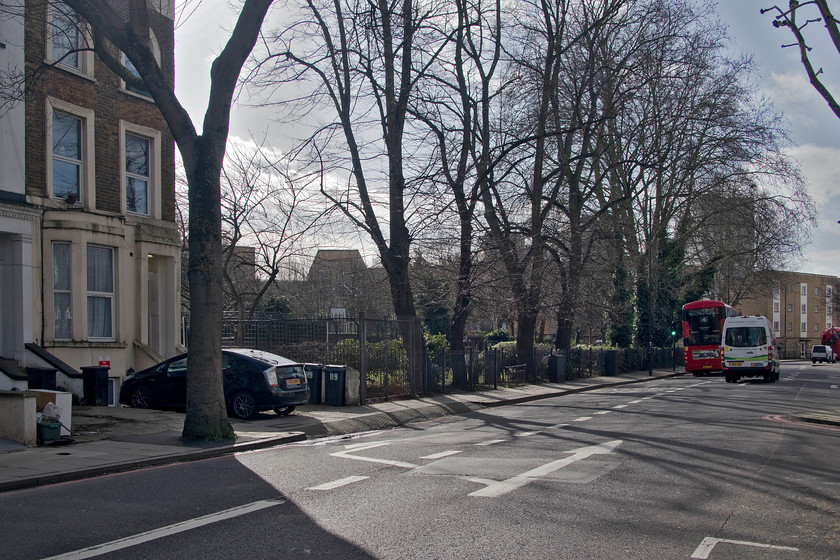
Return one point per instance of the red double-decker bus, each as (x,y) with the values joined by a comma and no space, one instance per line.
(831,337)
(702,323)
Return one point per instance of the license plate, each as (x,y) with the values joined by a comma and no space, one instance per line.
(293,382)
(736,363)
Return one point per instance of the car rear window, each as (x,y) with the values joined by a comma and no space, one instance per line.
(741,337)
(818,349)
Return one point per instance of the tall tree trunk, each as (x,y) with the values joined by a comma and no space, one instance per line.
(463,296)
(206,416)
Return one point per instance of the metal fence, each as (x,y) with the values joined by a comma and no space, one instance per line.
(376,348)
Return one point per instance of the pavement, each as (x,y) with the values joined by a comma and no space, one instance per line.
(106,440)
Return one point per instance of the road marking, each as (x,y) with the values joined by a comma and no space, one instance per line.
(120,544)
(490,442)
(558,426)
(620,406)
(362,446)
(338,483)
(637,401)
(603,412)
(525,434)
(494,488)
(705,549)
(582,419)
(441,455)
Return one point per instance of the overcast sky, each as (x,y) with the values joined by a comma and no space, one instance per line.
(814,130)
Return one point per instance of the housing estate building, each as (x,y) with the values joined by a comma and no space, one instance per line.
(800,306)
(89,248)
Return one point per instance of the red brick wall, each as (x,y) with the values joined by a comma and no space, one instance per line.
(110,104)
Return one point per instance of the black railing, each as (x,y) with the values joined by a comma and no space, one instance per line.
(376,349)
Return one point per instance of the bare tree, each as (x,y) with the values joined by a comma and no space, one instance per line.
(362,62)
(458,103)
(268,220)
(790,18)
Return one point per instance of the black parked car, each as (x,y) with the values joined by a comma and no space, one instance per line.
(253,381)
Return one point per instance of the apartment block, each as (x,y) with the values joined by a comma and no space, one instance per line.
(89,248)
(799,305)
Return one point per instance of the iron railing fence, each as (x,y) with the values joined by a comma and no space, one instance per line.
(376,348)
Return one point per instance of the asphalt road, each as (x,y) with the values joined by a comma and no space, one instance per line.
(676,468)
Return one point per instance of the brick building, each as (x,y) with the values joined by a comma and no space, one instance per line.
(102,248)
(800,306)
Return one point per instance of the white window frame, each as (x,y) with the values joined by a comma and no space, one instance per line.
(804,308)
(86,173)
(154,182)
(804,289)
(153,42)
(84,66)
(68,291)
(102,295)
(803,328)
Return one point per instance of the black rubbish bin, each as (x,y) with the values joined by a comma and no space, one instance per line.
(611,362)
(557,368)
(95,385)
(315,379)
(554,369)
(335,378)
(41,378)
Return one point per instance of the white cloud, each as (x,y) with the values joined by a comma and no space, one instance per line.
(821,166)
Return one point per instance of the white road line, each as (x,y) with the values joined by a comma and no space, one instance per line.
(637,401)
(490,442)
(705,549)
(603,412)
(120,544)
(525,434)
(338,483)
(497,488)
(582,419)
(441,455)
(558,426)
(620,406)
(361,447)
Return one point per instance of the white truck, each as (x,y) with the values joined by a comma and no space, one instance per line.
(748,349)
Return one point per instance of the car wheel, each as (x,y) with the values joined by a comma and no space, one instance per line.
(284,410)
(141,397)
(243,405)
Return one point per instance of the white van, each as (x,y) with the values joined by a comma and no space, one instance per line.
(748,349)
